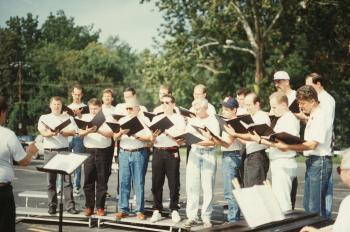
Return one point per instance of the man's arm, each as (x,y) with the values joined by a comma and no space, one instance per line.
(31,150)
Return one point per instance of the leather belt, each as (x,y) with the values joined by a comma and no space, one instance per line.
(167,148)
(5,184)
(133,150)
(56,149)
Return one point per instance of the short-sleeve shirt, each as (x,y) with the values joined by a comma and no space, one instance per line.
(210,122)
(260,117)
(317,129)
(327,103)
(211,109)
(75,106)
(57,141)
(108,111)
(291,95)
(286,123)
(130,142)
(179,127)
(96,140)
(235,146)
(342,223)
(10,149)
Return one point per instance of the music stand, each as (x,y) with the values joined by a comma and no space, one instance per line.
(63,163)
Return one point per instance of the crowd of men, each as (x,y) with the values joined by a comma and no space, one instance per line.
(246,156)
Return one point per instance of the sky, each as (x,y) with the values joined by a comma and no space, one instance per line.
(133,22)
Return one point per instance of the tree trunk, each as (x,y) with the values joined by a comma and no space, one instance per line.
(259,66)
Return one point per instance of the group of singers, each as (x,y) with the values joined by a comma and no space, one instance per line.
(246,156)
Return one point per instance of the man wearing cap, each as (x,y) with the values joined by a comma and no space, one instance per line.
(231,159)
(132,158)
(256,164)
(282,83)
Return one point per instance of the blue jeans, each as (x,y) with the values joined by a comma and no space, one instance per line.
(131,169)
(317,177)
(231,164)
(329,198)
(77,146)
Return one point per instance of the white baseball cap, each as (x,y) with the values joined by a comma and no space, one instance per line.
(281,75)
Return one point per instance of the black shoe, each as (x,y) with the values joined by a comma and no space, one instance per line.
(72,211)
(52,209)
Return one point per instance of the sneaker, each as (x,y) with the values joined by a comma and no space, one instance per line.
(72,211)
(52,209)
(120,215)
(101,212)
(207,223)
(156,216)
(175,217)
(140,216)
(190,222)
(88,212)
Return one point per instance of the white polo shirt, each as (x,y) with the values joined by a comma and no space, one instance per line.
(130,142)
(317,129)
(178,128)
(57,141)
(260,117)
(286,123)
(120,108)
(210,122)
(10,149)
(342,223)
(96,140)
(108,111)
(211,109)
(327,103)
(75,106)
(291,95)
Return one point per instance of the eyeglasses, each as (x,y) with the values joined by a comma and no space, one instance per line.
(165,102)
(129,108)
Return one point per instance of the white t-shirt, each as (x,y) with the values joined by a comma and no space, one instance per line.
(342,223)
(130,142)
(317,129)
(327,103)
(235,146)
(291,95)
(57,141)
(96,140)
(210,122)
(211,109)
(120,109)
(10,149)
(286,123)
(108,111)
(241,111)
(260,117)
(178,128)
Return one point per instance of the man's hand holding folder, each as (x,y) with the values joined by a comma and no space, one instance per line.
(56,130)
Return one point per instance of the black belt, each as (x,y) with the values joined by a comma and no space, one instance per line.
(5,184)
(133,150)
(167,148)
(56,149)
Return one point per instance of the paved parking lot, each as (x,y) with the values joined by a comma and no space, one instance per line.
(28,178)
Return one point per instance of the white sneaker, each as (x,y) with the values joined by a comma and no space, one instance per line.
(190,222)
(175,217)
(207,223)
(156,216)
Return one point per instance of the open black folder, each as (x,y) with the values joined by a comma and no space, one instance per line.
(84,110)
(186,112)
(115,127)
(222,121)
(238,126)
(284,137)
(117,116)
(260,129)
(189,138)
(273,120)
(162,124)
(294,107)
(59,127)
(150,115)
(133,125)
(64,163)
(217,137)
(97,121)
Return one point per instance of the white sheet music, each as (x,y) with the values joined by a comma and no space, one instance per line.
(67,162)
(259,205)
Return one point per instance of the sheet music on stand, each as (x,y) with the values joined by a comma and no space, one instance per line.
(64,163)
(259,205)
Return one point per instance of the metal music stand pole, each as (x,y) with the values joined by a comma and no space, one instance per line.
(60,220)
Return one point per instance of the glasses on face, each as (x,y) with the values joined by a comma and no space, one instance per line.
(129,108)
(166,102)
